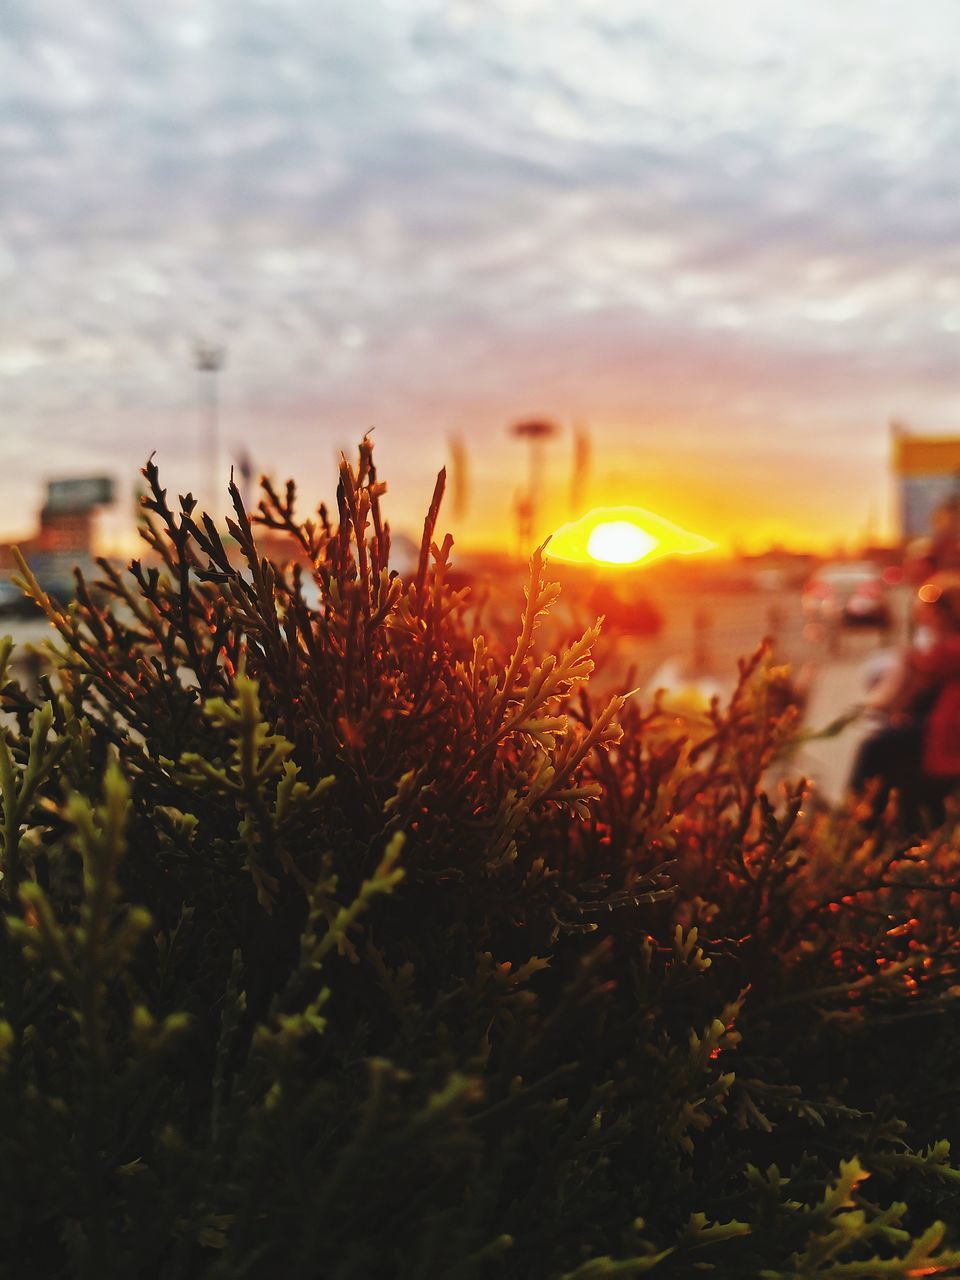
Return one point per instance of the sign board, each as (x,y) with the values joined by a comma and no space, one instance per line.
(927,471)
(79,493)
(925,455)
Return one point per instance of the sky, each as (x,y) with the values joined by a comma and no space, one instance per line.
(723,236)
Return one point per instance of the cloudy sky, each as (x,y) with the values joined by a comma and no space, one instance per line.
(725,236)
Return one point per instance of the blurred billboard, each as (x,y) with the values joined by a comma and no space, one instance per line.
(927,471)
(79,493)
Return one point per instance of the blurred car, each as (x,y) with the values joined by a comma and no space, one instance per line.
(848,594)
(13,603)
(625,609)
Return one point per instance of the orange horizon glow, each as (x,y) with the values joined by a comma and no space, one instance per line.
(623,537)
(744,511)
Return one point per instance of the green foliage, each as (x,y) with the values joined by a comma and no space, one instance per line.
(341,941)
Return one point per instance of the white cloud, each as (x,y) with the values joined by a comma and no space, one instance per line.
(409,214)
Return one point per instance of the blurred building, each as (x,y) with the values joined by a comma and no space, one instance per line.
(65,537)
(927,472)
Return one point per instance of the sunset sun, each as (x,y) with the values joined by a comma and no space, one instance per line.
(619,542)
(623,536)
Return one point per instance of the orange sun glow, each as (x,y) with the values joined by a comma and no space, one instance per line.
(623,536)
(619,542)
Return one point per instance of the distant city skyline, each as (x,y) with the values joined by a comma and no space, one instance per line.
(723,236)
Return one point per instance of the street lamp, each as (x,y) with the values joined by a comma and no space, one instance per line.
(208,360)
(536,432)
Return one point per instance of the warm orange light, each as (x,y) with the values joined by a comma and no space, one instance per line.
(619,542)
(623,536)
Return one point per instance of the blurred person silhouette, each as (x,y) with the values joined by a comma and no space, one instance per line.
(939,550)
(945,534)
(916,751)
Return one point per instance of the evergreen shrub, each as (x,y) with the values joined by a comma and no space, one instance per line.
(349,942)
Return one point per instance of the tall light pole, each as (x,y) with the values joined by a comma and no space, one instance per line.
(536,432)
(208,360)
(580,475)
